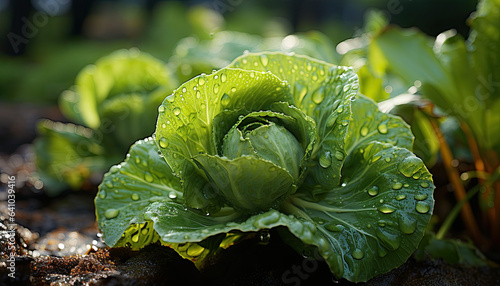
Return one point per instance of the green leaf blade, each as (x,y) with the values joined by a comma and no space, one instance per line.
(130,187)
(375,221)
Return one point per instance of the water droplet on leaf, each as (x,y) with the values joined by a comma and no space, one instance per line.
(358,254)
(364,131)
(421,197)
(325,159)
(339,155)
(407,224)
(410,166)
(225,100)
(373,191)
(177,111)
(386,209)
(201,80)
(397,186)
(163,142)
(111,213)
(422,207)
(148,177)
(318,95)
(382,128)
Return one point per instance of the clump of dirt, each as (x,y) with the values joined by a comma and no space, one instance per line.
(73,269)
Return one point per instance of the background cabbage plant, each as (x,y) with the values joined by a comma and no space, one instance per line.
(273,141)
(112,104)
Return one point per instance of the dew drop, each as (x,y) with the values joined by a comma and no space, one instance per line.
(389,240)
(148,177)
(309,66)
(265,236)
(102,194)
(172,195)
(388,159)
(177,111)
(421,197)
(161,109)
(223,77)
(364,131)
(135,197)
(407,224)
(318,95)
(111,213)
(382,128)
(386,209)
(325,159)
(170,98)
(373,191)
(400,197)
(409,166)
(422,207)
(203,106)
(339,155)
(198,94)
(225,100)
(109,185)
(264,60)
(358,254)
(201,80)
(216,88)
(340,109)
(397,186)
(334,228)
(424,184)
(382,252)
(163,142)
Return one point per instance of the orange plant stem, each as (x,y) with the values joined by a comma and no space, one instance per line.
(458,188)
(492,213)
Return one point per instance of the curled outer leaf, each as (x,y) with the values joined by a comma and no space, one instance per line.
(128,188)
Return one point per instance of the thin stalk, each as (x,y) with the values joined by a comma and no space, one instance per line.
(492,213)
(450,218)
(458,188)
